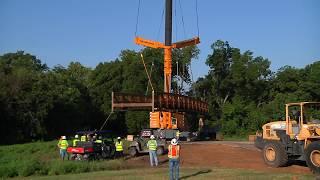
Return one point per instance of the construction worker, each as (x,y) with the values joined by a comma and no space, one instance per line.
(99,140)
(63,145)
(119,148)
(174,159)
(75,140)
(177,135)
(152,145)
(83,138)
(89,138)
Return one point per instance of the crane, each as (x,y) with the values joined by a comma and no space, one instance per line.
(164,119)
(167,109)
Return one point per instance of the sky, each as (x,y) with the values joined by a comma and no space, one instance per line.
(287,32)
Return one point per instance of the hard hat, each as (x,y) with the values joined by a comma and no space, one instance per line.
(76,136)
(174,141)
(63,137)
(152,137)
(119,138)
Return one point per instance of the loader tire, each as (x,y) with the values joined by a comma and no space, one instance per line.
(313,156)
(274,154)
(133,151)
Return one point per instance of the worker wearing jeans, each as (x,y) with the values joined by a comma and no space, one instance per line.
(152,145)
(174,159)
(63,145)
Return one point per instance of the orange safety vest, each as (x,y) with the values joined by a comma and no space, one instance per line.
(174,151)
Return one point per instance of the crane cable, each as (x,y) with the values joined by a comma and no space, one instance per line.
(105,122)
(145,68)
(162,15)
(182,19)
(137,19)
(176,22)
(197,17)
(151,69)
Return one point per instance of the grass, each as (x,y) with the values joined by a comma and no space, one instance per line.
(42,158)
(185,173)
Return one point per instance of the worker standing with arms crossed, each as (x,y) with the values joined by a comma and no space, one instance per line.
(63,145)
(174,159)
(152,145)
(119,148)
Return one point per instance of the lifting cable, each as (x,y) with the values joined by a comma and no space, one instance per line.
(184,29)
(105,122)
(175,20)
(137,19)
(178,79)
(151,69)
(197,17)
(145,68)
(160,26)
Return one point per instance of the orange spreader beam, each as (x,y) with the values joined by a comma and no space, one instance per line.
(167,55)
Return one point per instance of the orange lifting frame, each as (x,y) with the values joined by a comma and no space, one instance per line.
(167,55)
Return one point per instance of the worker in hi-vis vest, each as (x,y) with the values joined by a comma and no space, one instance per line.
(99,140)
(152,145)
(119,148)
(174,159)
(177,135)
(83,138)
(75,140)
(63,145)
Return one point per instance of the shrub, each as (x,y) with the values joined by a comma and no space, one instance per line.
(30,167)
(8,170)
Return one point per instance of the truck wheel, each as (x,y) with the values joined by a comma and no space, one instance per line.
(160,151)
(133,151)
(313,157)
(274,154)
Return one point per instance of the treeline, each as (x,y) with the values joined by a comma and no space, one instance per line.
(243,93)
(37,102)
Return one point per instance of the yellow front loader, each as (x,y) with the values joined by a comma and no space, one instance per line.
(296,138)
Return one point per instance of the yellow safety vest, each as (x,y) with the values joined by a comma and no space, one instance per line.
(152,144)
(98,141)
(119,146)
(83,138)
(74,143)
(63,144)
(174,151)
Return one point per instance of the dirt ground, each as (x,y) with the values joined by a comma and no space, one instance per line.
(224,154)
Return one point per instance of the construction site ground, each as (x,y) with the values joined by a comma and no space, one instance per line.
(224,154)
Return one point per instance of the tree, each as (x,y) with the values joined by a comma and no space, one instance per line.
(22,112)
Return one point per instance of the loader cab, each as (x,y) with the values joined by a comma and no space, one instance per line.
(300,114)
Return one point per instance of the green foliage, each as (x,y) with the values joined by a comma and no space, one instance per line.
(244,94)
(42,158)
(38,103)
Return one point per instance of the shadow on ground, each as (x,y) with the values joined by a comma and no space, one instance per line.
(164,161)
(297,162)
(196,174)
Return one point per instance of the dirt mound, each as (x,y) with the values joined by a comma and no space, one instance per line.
(221,154)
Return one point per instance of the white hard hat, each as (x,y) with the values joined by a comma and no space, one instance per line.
(63,137)
(119,138)
(152,137)
(174,141)
(76,136)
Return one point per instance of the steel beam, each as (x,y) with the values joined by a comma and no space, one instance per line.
(160,102)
